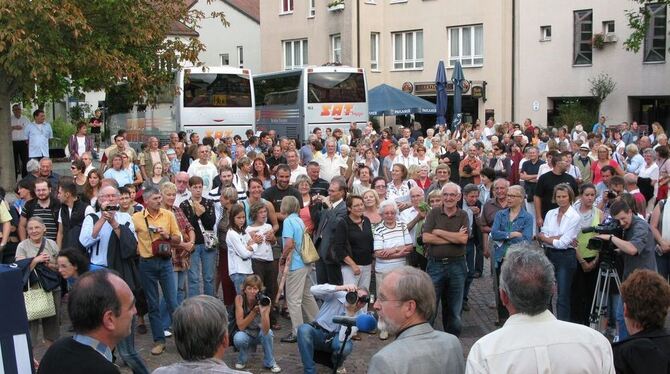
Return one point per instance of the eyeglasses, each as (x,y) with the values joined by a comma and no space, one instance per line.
(450,194)
(519,196)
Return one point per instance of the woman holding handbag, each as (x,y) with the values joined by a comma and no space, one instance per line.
(201,214)
(42,251)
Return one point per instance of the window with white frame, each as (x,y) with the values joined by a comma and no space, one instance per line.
(240,56)
(374,51)
(286,6)
(336,48)
(655,38)
(407,50)
(608,27)
(312,9)
(295,54)
(225,59)
(466,44)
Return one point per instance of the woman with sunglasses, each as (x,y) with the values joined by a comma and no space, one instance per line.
(77,169)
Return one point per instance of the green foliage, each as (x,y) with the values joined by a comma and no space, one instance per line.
(79,112)
(602,86)
(573,111)
(638,21)
(62,130)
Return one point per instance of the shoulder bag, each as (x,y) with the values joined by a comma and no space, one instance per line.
(159,248)
(39,303)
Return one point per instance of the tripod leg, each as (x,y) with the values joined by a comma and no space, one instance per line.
(594,318)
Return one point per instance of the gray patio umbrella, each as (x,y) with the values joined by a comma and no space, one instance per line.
(458,79)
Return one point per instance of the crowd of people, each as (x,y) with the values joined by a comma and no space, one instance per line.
(403,220)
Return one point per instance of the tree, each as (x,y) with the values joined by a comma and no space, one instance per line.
(638,21)
(49,49)
(602,86)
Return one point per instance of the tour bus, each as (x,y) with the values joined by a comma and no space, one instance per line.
(295,102)
(215,101)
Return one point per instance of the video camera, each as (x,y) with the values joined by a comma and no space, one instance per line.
(605,247)
(262,299)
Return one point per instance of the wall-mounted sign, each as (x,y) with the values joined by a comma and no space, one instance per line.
(407,87)
(477,92)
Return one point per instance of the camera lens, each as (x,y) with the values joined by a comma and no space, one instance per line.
(351,297)
(263,300)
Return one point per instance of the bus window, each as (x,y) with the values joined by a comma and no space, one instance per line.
(336,88)
(279,90)
(217,90)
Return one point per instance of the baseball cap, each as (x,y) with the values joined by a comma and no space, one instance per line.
(584,147)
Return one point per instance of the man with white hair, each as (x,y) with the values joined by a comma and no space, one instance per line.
(332,164)
(533,340)
(411,217)
(293,162)
(446,230)
(405,157)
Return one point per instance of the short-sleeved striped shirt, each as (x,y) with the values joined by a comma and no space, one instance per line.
(386,238)
(47,216)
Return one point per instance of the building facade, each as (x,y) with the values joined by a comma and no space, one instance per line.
(399,42)
(557,55)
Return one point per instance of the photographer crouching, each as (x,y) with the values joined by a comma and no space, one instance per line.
(252,316)
(323,334)
(636,248)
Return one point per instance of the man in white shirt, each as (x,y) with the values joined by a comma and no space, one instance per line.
(489,131)
(405,158)
(533,340)
(293,162)
(204,169)
(19,140)
(39,133)
(332,164)
(183,193)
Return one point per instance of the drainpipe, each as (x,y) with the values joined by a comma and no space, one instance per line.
(513,56)
(358,33)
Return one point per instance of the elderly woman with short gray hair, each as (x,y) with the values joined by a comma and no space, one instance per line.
(392,243)
(298,295)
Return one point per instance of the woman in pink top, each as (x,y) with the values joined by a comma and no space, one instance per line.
(603,160)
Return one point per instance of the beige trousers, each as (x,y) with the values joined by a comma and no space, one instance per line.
(299,298)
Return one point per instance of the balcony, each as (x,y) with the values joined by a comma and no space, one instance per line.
(336,6)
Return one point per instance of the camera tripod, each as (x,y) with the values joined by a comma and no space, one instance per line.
(606,272)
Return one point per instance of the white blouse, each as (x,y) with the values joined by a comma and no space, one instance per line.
(567,229)
(239,258)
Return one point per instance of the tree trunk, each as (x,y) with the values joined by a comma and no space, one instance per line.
(7,171)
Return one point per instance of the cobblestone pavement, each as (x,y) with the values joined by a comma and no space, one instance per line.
(476,323)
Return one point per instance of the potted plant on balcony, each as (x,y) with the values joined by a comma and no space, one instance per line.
(336,5)
(598,41)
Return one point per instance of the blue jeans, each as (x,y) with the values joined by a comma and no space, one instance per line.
(202,262)
(238,280)
(155,271)
(622,331)
(166,318)
(449,279)
(126,349)
(311,338)
(565,264)
(244,341)
(470,262)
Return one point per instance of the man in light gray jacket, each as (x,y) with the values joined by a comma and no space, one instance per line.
(405,303)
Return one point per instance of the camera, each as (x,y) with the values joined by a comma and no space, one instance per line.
(262,299)
(111,208)
(605,247)
(153,229)
(361,165)
(611,195)
(352,298)
(467,169)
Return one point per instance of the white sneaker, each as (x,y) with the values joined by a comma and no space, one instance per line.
(275,369)
(240,366)
(167,333)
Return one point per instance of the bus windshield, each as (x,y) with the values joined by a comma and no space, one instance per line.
(216,90)
(336,88)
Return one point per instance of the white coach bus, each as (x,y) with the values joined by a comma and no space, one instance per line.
(295,102)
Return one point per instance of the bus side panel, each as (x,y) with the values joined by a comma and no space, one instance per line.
(336,115)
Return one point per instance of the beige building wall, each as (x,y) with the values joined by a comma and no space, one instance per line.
(433,17)
(545,68)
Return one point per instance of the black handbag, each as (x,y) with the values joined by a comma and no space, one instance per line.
(48,279)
